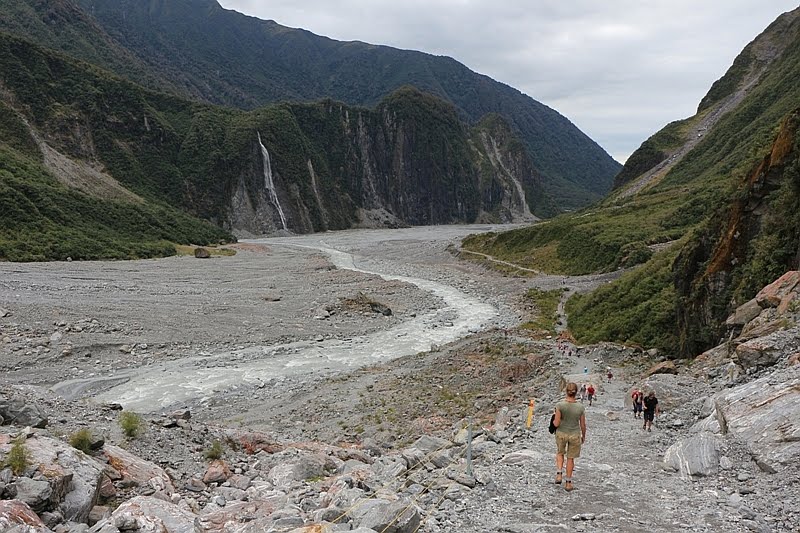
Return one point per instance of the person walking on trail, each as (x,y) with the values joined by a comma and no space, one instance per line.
(651,410)
(609,374)
(638,403)
(570,423)
(590,393)
(582,392)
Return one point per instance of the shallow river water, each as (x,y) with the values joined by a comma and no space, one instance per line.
(199,377)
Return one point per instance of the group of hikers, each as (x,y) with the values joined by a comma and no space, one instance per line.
(569,425)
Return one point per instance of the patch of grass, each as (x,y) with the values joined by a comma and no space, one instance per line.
(19,457)
(82,440)
(214,452)
(545,304)
(639,308)
(131,424)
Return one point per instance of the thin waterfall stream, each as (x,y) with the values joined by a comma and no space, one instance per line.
(269,184)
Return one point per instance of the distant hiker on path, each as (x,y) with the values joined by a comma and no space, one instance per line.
(570,422)
(582,392)
(638,403)
(608,372)
(651,410)
(590,393)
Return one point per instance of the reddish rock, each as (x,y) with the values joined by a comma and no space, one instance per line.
(775,292)
(107,489)
(135,469)
(794,359)
(218,472)
(16,513)
(665,367)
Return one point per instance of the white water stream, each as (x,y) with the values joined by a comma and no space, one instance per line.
(199,377)
(268,181)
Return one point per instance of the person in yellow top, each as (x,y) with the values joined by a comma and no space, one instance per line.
(570,423)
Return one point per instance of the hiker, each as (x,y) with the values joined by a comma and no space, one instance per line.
(570,423)
(590,393)
(608,372)
(582,392)
(637,396)
(585,370)
(651,410)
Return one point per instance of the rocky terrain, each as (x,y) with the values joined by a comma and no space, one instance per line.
(381,448)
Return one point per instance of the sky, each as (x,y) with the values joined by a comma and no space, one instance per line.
(620,70)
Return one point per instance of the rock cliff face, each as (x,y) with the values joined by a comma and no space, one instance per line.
(390,166)
(411,160)
(753,241)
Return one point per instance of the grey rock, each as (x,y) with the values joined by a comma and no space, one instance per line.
(17,411)
(744,314)
(390,517)
(428,444)
(36,494)
(697,455)
(144,513)
(765,413)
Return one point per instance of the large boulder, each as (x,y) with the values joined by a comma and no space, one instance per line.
(697,455)
(17,514)
(664,367)
(38,495)
(765,413)
(670,390)
(74,477)
(138,471)
(765,351)
(391,517)
(781,291)
(744,314)
(18,412)
(148,514)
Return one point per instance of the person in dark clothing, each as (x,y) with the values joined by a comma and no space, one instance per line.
(651,410)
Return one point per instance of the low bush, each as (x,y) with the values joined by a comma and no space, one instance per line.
(82,440)
(131,424)
(214,452)
(18,458)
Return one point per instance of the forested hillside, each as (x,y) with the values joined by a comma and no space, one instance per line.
(199,49)
(122,153)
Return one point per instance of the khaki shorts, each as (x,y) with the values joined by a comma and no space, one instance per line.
(569,445)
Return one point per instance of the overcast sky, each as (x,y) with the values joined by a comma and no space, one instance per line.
(618,69)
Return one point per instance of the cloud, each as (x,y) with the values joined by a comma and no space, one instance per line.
(619,70)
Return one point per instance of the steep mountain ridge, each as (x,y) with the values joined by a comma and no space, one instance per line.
(301,167)
(674,218)
(224,57)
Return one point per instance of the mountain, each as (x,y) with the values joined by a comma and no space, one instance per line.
(197,48)
(76,137)
(707,206)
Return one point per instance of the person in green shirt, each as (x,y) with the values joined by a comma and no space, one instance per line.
(570,423)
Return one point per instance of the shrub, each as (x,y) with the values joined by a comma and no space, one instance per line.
(18,458)
(214,452)
(131,424)
(82,440)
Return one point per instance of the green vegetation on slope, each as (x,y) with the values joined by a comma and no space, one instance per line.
(639,308)
(41,220)
(224,57)
(662,303)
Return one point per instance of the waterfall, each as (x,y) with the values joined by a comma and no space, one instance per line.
(268,183)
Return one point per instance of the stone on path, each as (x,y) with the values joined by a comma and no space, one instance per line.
(697,455)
